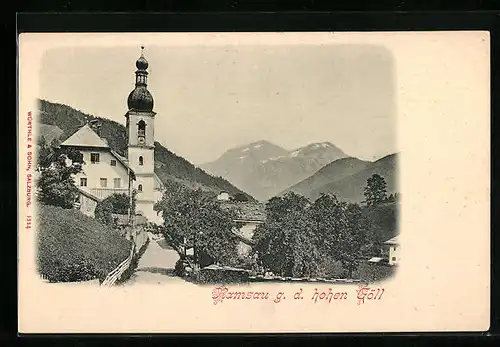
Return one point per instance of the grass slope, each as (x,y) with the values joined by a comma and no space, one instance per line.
(73,247)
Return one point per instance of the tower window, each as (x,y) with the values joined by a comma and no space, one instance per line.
(94,158)
(141,128)
(141,160)
(139,188)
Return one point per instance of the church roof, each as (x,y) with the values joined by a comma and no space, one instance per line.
(85,137)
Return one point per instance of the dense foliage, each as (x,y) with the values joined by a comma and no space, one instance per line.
(195,219)
(74,247)
(56,184)
(115,203)
(372,272)
(298,236)
(169,165)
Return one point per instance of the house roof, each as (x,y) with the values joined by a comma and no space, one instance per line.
(85,137)
(124,162)
(247,211)
(89,195)
(159,184)
(393,241)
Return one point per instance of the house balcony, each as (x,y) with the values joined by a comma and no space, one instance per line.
(103,193)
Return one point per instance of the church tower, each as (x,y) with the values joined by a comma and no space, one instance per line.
(140,132)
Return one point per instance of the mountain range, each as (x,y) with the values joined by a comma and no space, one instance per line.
(264,169)
(346,178)
(59,121)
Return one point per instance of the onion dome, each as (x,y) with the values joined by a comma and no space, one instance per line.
(140,99)
(142,63)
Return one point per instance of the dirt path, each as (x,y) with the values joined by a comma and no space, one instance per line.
(156,265)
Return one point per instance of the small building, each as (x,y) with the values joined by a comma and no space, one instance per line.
(249,216)
(87,203)
(393,245)
(223,196)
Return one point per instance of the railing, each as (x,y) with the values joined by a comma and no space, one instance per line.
(103,193)
(114,275)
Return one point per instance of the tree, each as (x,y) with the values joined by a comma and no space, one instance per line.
(375,190)
(341,230)
(193,218)
(240,197)
(56,183)
(115,203)
(103,212)
(286,241)
(352,239)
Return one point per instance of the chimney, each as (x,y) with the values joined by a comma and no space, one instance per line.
(96,126)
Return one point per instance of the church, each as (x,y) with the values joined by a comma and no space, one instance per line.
(105,172)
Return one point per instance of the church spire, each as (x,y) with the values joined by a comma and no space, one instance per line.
(141,75)
(140,99)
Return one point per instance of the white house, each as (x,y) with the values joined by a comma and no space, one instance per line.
(393,245)
(105,172)
(223,196)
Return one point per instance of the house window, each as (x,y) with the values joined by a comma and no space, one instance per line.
(113,162)
(139,188)
(116,183)
(104,182)
(393,258)
(141,160)
(83,182)
(141,128)
(94,158)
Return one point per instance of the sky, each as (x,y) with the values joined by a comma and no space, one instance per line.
(209,99)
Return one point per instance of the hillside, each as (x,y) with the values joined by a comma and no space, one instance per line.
(332,172)
(264,169)
(351,188)
(73,247)
(169,166)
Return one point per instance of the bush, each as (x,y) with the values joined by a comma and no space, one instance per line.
(74,247)
(179,267)
(375,272)
(330,268)
(115,203)
(222,276)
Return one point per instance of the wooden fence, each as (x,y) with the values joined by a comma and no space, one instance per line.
(115,275)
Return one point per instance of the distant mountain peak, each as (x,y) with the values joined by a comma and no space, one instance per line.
(264,169)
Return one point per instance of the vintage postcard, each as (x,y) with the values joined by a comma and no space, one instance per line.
(254,182)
